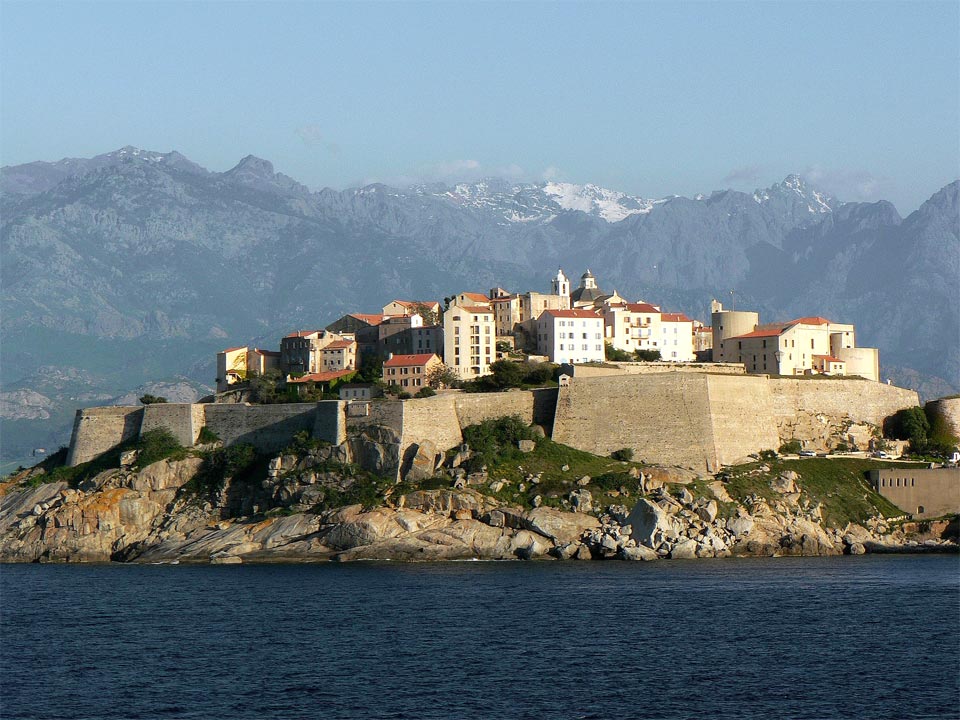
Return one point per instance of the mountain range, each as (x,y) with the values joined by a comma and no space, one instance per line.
(126,272)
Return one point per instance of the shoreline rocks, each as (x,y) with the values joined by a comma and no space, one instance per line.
(142,516)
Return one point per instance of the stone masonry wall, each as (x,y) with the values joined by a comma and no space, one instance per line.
(99,429)
(178,418)
(705,420)
(267,427)
(474,408)
(662,417)
(949,410)
(740,408)
(650,368)
(821,411)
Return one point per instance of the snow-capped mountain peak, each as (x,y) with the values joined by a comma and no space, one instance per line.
(795,187)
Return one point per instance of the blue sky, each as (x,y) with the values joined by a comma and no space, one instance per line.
(649,98)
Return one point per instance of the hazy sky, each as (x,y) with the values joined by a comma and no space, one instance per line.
(649,98)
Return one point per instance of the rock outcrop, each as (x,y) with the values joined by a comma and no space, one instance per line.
(157,514)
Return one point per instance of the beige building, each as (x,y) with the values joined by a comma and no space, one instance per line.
(921,492)
(409,307)
(302,351)
(632,326)
(728,324)
(235,365)
(469,337)
(409,371)
(805,346)
(339,355)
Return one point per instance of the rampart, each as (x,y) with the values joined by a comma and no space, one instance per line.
(707,420)
(99,429)
(652,368)
(700,420)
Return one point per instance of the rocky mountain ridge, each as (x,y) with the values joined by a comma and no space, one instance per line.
(135,267)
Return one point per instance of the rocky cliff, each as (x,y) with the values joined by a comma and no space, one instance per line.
(314,504)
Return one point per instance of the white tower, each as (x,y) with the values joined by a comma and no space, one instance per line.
(560,285)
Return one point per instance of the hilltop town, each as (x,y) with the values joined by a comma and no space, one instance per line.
(411,345)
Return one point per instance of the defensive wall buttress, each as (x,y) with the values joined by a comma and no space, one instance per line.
(695,419)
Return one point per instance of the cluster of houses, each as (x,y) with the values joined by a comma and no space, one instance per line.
(471,330)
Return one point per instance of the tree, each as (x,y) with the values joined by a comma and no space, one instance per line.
(440,376)
(268,388)
(149,399)
(428,315)
(371,368)
(616,354)
(647,355)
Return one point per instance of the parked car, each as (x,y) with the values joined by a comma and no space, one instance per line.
(807,453)
(882,455)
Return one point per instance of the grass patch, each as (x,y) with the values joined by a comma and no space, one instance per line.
(840,485)
(607,476)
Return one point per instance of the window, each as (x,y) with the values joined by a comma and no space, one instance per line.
(811,343)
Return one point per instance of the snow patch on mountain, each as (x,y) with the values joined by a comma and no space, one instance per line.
(611,205)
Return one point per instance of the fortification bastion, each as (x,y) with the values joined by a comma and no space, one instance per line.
(694,419)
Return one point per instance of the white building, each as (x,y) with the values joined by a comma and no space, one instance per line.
(570,336)
(677,338)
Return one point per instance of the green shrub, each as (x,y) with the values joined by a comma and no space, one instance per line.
(403,395)
(623,454)
(791,447)
(425,392)
(207,436)
(221,464)
(647,355)
(615,354)
(495,440)
(149,399)
(158,444)
(768,454)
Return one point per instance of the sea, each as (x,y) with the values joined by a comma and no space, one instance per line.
(843,637)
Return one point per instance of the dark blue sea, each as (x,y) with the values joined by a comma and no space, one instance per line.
(852,637)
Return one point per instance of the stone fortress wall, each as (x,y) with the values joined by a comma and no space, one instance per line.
(701,420)
(270,428)
(705,420)
(949,409)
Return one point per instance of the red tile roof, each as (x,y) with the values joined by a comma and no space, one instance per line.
(370,318)
(675,317)
(478,309)
(303,333)
(571,314)
(409,360)
(810,320)
(268,353)
(476,297)
(414,303)
(642,308)
(828,358)
(766,331)
(340,345)
(321,376)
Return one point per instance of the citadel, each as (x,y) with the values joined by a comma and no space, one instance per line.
(711,397)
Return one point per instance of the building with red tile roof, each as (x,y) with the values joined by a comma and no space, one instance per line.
(410,371)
